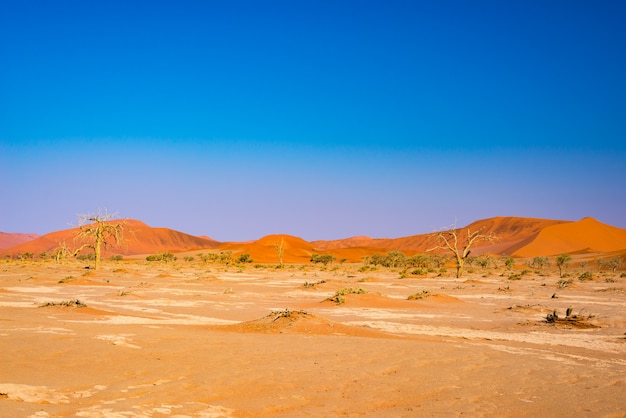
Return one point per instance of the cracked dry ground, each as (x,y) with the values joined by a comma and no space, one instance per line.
(143,340)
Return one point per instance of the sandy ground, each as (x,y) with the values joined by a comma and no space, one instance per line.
(187,340)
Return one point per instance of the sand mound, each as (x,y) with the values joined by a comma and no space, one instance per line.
(74,306)
(300,322)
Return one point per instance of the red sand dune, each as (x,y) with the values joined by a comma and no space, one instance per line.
(513,232)
(8,240)
(139,238)
(295,249)
(586,235)
(520,237)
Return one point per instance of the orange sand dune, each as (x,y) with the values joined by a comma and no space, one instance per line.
(8,240)
(521,237)
(512,232)
(139,238)
(586,235)
(517,236)
(295,249)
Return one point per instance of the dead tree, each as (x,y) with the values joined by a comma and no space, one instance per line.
(450,239)
(99,229)
(279,247)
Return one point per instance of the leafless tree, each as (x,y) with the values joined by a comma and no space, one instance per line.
(279,247)
(99,229)
(451,239)
(61,252)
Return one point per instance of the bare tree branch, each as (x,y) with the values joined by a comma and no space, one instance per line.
(98,229)
(449,240)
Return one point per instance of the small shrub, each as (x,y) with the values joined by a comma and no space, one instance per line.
(189,258)
(245,258)
(525,272)
(116,258)
(552,317)
(420,295)
(363,269)
(311,284)
(339,296)
(562,284)
(66,279)
(338,299)
(515,277)
(418,272)
(70,303)
(351,291)
(585,276)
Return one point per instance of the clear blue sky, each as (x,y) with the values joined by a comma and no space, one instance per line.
(237,119)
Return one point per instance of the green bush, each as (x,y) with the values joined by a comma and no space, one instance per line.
(245,258)
(86,257)
(585,276)
(116,258)
(166,257)
(324,259)
(339,296)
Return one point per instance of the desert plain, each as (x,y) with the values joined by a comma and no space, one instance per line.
(189,339)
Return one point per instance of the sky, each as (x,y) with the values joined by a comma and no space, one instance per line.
(319,119)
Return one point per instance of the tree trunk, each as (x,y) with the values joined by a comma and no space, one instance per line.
(97,250)
(459,267)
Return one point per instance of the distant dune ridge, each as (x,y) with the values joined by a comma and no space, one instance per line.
(518,237)
(8,240)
